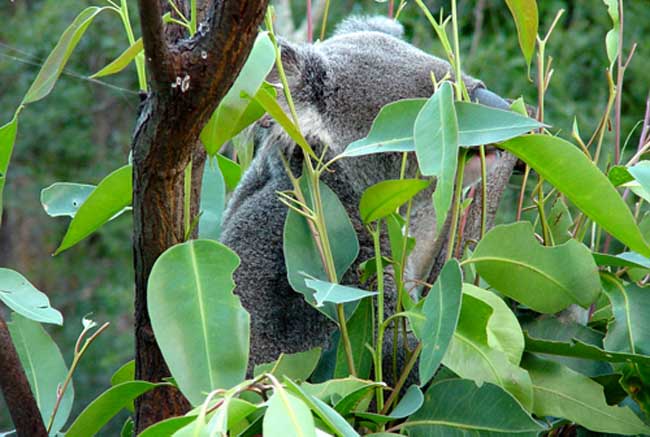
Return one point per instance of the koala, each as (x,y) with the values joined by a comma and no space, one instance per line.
(338,86)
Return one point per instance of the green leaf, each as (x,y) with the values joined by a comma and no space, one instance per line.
(334,421)
(641,173)
(573,174)
(213,201)
(527,21)
(409,404)
(560,222)
(582,340)
(619,175)
(561,392)
(191,304)
(230,170)
(298,366)
(58,57)
(458,407)
(268,101)
(237,411)
(469,355)
(383,199)
(302,256)
(106,406)
(436,147)
(327,292)
(7,140)
(22,297)
(631,307)
(64,198)
(441,309)
(479,124)
(125,373)
(44,367)
(612,38)
(547,279)
(112,195)
(358,400)
(503,330)
(360,329)
(235,112)
(392,130)
(122,61)
(288,416)
(167,427)
(336,389)
(626,259)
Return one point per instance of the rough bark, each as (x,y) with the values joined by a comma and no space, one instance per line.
(188,78)
(16,390)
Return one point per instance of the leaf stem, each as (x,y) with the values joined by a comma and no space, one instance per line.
(376,238)
(457,203)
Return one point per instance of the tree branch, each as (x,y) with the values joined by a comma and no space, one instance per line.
(16,390)
(153,38)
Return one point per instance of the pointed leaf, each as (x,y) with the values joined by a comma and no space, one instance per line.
(628,332)
(383,199)
(625,259)
(469,355)
(230,170)
(410,403)
(213,201)
(561,392)
(458,407)
(298,366)
(233,115)
(112,195)
(574,175)
(527,21)
(288,416)
(192,305)
(392,130)
(302,256)
(22,297)
(441,309)
(327,292)
(167,427)
(101,410)
(436,147)
(547,279)
(479,124)
(122,61)
(503,330)
(612,38)
(7,140)
(58,57)
(44,367)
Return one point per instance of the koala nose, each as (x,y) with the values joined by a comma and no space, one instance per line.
(488,98)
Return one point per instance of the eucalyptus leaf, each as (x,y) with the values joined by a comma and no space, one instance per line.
(560,222)
(479,124)
(436,147)
(122,61)
(64,198)
(213,201)
(192,305)
(112,195)
(22,297)
(561,392)
(327,292)
(298,366)
(410,403)
(45,369)
(625,259)
(619,175)
(526,19)
(441,309)
(612,38)
(288,416)
(581,181)
(302,256)
(106,406)
(333,389)
(470,356)
(360,330)
(168,426)
(58,57)
(230,170)
(7,140)
(383,199)
(124,374)
(459,407)
(235,112)
(547,279)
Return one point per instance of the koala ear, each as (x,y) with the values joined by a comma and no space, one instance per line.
(305,68)
(370,24)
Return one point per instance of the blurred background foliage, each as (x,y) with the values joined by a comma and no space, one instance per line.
(82,131)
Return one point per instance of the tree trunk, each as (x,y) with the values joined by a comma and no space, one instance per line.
(188,78)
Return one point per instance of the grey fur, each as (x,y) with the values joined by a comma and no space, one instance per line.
(339,86)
